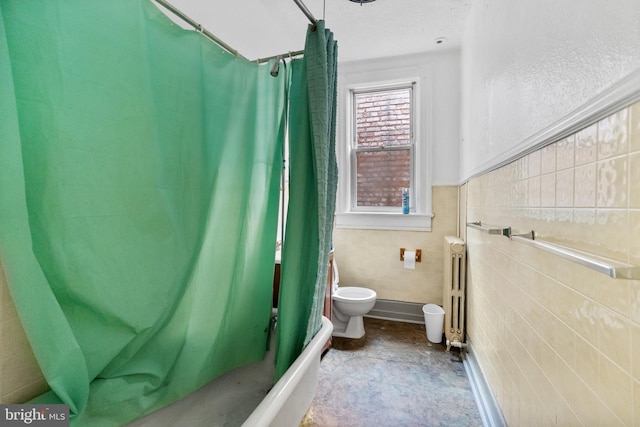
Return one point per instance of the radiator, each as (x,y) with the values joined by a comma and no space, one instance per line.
(454,290)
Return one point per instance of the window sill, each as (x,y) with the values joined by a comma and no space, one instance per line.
(384,221)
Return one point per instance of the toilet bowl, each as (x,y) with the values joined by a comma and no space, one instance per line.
(350,304)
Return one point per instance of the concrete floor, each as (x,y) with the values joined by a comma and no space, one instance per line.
(392,377)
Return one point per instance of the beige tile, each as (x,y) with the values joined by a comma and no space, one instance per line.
(608,418)
(548,159)
(611,233)
(564,188)
(562,229)
(534,163)
(635,350)
(636,403)
(584,402)
(587,363)
(547,214)
(612,185)
(7,307)
(548,190)
(585,186)
(579,313)
(535,414)
(634,300)
(586,145)
(565,344)
(584,220)
(565,415)
(4,292)
(13,338)
(523,404)
(634,180)
(445,196)
(616,390)
(634,127)
(550,400)
(565,153)
(613,135)
(26,393)
(522,168)
(614,338)
(541,383)
(534,191)
(521,193)
(600,316)
(19,370)
(613,294)
(606,291)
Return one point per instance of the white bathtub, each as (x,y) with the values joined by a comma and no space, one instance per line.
(245,396)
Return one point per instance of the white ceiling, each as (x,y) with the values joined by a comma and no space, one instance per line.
(262,28)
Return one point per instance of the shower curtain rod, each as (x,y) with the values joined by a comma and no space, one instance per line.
(313,21)
(306,11)
(199,28)
(290,55)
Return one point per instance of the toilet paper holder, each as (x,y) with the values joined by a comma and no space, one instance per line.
(418,255)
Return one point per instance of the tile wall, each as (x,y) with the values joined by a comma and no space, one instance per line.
(20,375)
(371,258)
(559,344)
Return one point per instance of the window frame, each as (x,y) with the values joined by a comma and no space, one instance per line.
(354,150)
(359,77)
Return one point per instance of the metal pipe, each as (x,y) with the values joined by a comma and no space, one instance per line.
(457,344)
(478,225)
(199,27)
(306,11)
(282,55)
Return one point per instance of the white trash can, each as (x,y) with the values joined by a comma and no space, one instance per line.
(434,322)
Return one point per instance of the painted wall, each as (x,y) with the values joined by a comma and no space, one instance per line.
(371,258)
(528,63)
(441,73)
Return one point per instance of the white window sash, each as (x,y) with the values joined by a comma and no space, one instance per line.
(391,219)
(354,149)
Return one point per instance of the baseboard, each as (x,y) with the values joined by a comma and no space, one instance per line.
(399,311)
(489,409)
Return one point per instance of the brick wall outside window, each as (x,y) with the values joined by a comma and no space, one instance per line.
(383,147)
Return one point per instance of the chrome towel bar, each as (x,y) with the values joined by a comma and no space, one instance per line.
(612,268)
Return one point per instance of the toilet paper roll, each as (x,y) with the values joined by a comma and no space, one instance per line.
(410,260)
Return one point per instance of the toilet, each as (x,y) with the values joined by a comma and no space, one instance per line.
(350,304)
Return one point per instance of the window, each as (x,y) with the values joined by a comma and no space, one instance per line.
(382,148)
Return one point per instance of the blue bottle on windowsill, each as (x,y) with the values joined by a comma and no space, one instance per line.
(405,200)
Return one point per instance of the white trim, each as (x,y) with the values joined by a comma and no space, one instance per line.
(384,221)
(420,216)
(354,91)
(487,405)
(622,94)
(397,311)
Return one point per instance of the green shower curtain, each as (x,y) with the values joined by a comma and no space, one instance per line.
(312,194)
(139,179)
